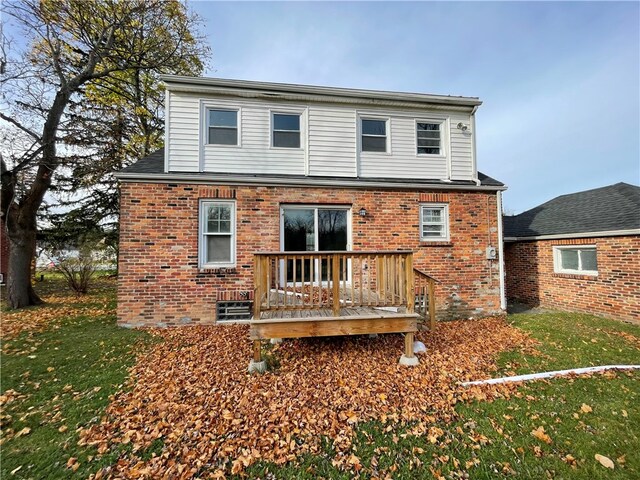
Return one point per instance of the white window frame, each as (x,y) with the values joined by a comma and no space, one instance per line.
(206,125)
(557,259)
(387,129)
(445,211)
(202,234)
(443,135)
(301,131)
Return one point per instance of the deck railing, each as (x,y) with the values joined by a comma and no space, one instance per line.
(425,296)
(333,280)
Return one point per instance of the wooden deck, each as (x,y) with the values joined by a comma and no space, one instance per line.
(322,322)
(316,294)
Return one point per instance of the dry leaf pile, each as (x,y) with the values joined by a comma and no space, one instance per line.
(193,392)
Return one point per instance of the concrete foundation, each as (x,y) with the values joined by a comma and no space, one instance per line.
(409,361)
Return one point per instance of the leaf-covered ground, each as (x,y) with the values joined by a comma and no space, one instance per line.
(192,392)
(63,386)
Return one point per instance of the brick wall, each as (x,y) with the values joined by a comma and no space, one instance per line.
(159,279)
(614,292)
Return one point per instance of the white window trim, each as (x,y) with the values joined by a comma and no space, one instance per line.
(387,127)
(201,234)
(557,260)
(445,208)
(302,131)
(205,125)
(444,135)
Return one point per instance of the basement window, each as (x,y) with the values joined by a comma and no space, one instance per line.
(577,260)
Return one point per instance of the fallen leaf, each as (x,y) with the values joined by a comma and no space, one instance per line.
(586,408)
(605,461)
(540,434)
(24,431)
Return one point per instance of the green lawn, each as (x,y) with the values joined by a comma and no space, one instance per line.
(64,375)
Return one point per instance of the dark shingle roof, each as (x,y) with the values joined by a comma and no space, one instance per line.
(616,207)
(154,164)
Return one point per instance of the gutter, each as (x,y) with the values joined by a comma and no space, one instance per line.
(503,295)
(294,182)
(560,236)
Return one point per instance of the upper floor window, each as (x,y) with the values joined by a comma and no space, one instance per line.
(217,233)
(374,135)
(222,127)
(434,222)
(574,259)
(285,130)
(429,138)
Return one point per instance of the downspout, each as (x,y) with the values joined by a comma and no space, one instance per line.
(474,164)
(503,299)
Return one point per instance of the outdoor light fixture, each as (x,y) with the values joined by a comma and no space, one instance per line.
(363,212)
(463,127)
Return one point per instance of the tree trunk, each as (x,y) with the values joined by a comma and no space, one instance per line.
(20,292)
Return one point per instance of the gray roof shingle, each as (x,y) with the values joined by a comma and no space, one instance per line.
(612,208)
(154,164)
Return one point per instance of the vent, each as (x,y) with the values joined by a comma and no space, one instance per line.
(233,311)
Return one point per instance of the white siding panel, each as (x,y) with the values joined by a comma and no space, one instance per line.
(332,141)
(461,148)
(183,136)
(329,142)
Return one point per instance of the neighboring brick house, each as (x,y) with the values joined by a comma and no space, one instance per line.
(251,166)
(578,252)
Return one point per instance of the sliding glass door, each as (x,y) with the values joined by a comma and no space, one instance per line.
(314,229)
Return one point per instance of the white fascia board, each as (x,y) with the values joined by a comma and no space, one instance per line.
(560,236)
(294,182)
(284,91)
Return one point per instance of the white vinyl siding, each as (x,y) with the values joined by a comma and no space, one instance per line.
(575,259)
(332,141)
(329,141)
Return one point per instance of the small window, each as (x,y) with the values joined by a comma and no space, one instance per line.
(286,130)
(374,135)
(434,222)
(222,127)
(429,138)
(577,260)
(217,234)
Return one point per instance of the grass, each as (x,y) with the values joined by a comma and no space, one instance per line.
(64,376)
(66,373)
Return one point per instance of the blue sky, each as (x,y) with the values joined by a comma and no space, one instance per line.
(560,82)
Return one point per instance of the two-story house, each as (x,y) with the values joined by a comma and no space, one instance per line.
(302,171)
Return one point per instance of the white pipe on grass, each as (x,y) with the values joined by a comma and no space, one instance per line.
(538,376)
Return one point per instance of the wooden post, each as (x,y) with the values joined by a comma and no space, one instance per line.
(409,287)
(408,345)
(257,351)
(335,278)
(432,305)
(257,288)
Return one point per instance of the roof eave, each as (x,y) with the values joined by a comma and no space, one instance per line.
(285,91)
(295,182)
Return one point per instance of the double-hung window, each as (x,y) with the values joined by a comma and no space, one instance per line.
(222,127)
(217,233)
(581,260)
(434,222)
(429,138)
(373,135)
(285,130)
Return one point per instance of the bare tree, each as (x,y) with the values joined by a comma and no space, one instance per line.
(73,45)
